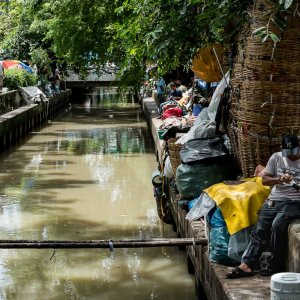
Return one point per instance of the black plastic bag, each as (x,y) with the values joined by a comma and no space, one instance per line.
(203,150)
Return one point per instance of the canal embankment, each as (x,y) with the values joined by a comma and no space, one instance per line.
(18,117)
(210,277)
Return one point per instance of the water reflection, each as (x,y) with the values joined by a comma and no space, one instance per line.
(86,176)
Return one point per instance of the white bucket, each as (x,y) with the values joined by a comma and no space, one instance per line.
(285,286)
(156,179)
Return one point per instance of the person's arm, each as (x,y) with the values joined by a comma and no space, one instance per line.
(271,180)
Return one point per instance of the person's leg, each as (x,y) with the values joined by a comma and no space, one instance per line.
(279,238)
(259,240)
(159,99)
(260,236)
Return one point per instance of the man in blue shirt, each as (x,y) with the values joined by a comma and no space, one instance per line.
(161,86)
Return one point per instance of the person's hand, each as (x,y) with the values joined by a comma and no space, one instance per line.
(286,178)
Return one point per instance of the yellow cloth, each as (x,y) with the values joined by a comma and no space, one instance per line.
(205,64)
(239,203)
(183,101)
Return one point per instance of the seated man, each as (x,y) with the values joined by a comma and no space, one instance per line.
(175,93)
(280,209)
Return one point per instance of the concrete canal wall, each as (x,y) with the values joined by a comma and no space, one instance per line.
(17,119)
(10,101)
(210,277)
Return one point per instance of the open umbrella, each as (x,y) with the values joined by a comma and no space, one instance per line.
(15,64)
(205,64)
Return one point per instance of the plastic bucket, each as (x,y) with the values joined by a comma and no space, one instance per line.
(285,286)
(156,179)
(161,133)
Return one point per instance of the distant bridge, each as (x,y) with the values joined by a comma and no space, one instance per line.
(92,80)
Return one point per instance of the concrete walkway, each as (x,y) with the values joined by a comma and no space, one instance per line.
(209,277)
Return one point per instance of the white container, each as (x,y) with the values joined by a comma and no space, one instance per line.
(156,179)
(285,286)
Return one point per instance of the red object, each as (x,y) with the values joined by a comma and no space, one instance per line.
(167,106)
(172,112)
(15,64)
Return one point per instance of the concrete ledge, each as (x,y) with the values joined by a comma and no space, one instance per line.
(211,276)
(294,247)
(19,122)
(9,101)
(14,118)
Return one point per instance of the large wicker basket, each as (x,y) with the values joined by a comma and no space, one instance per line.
(266,89)
(174,153)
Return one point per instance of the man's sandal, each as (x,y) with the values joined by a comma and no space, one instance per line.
(238,273)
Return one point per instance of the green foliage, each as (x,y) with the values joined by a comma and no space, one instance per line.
(15,78)
(170,32)
(40,57)
(129,33)
(277,18)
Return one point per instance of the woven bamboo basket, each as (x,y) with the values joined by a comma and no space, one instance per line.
(232,134)
(174,154)
(255,49)
(268,120)
(254,149)
(256,70)
(264,95)
(265,102)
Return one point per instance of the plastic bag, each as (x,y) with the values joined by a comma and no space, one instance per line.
(201,128)
(192,203)
(168,171)
(219,239)
(203,149)
(215,100)
(218,246)
(191,180)
(216,219)
(202,207)
(238,243)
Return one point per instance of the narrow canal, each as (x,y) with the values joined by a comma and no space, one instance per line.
(87,175)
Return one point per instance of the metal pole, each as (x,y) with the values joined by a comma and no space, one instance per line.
(68,244)
(221,69)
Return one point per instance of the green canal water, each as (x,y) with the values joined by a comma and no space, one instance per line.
(87,175)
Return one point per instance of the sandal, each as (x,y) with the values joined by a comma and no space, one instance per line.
(239,273)
(266,264)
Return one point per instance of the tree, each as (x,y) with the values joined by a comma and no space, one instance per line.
(130,33)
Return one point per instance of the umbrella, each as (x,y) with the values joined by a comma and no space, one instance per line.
(15,64)
(205,64)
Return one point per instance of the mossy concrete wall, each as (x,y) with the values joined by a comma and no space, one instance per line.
(16,123)
(10,101)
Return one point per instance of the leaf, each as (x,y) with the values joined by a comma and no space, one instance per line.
(257,31)
(288,3)
(274,37)
(264,38)
(280,24)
